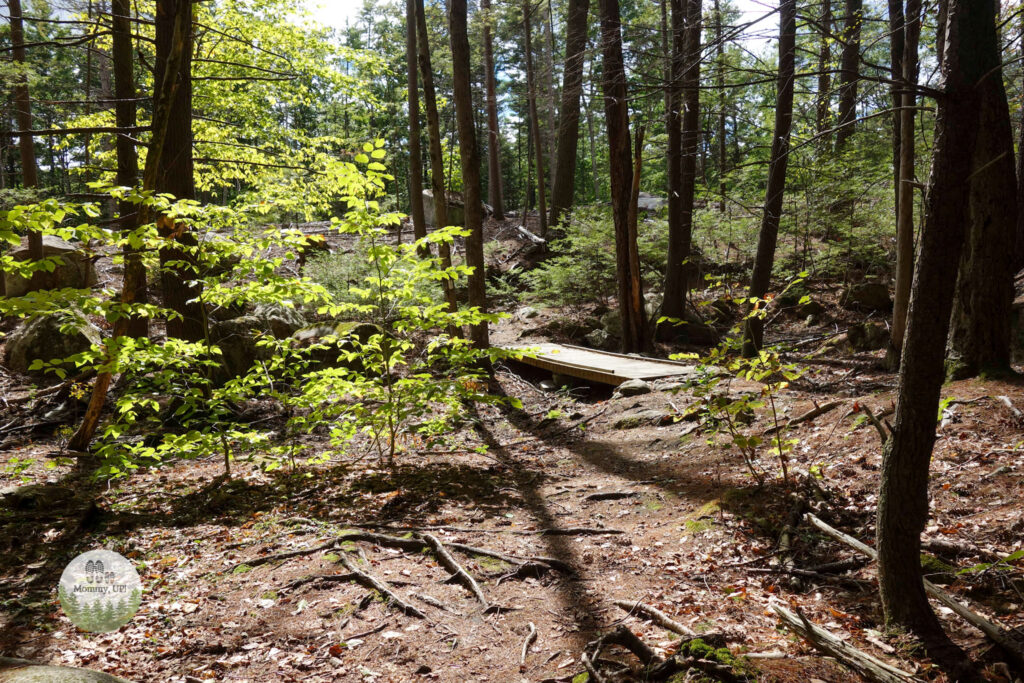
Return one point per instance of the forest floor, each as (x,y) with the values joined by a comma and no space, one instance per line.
(602,499)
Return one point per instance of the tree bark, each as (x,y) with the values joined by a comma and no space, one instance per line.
(419,222)
(905,179)
(824,95)
(897,50)
(175,171)
(436,154)
(720,82)
(682,154)
(903,496)
(463,96)
(979,341)
(849,72)
(569,112)
(127,158)
(26,143)
(1018,262)
(753,337)
(495,193)
(616,106)
(531,93)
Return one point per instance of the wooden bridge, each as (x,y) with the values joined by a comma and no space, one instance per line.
(598,366)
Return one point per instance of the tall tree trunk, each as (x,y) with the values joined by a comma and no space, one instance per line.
(849,70)
(979,341)
(824,95)
(616,107)
(1018,262)
(419,222)
(753,338)
(720,82)
(686,25)
(494,184)
(26,143)
(903,496)
(175,173)
(905,182)
(531,90)
(176,46)
(547,53)
(569,112)
(470,159)
(127,158)
(897,42)
(436,152)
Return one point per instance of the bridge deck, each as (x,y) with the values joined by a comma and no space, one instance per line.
(598,366)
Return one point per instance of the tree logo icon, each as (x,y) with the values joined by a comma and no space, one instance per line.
(100,591)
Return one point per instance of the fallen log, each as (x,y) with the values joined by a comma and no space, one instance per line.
(1011,641)
(867,666)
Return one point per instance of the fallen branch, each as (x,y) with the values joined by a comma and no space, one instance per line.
(867,666)
(877,424)
(530,236)
(808,416)
(458,573)
(382,588)
(656,616)
(530,637)
(1011,641)
(1005,400)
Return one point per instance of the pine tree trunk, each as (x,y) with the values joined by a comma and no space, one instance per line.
(175,173)
(419,222)
(903,496)
(824,95)
(616,106)
(531,90)
(849,70)
(720,82)
(470,158)
(26,143)
(134,288)
(753,338)
(905,205)
(569,112)
(682,154)
(436,153)
(495,194)
(897,42)
(979,341)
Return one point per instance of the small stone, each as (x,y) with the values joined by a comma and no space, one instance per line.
(527,312)
(633,387)
(598,339)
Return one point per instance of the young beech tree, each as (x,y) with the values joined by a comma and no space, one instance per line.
(971,54)
(753,336)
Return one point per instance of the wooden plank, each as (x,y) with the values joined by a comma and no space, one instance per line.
(598,366)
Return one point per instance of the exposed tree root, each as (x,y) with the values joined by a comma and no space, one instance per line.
(458,572)
(381,587)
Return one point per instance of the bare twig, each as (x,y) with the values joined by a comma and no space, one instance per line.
(530,637)
(656,616)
